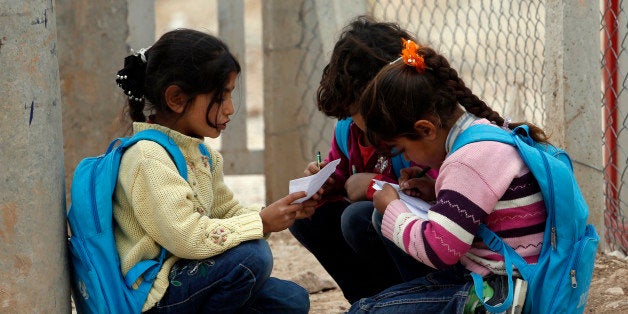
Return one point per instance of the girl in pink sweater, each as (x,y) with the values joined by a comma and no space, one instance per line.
(415,106)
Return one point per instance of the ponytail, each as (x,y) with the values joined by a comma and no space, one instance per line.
(131,79)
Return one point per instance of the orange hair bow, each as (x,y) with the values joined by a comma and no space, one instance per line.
(411,57)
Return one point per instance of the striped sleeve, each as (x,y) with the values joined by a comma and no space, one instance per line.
(469,185)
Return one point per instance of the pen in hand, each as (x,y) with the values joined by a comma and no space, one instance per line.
(423,172)
(318,159)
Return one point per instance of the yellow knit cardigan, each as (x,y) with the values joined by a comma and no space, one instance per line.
(194,219)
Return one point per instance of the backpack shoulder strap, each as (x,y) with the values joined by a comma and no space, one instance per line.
(482,132)
(164,140)
(478,133)
(399,162)
(342,135)
(148,269)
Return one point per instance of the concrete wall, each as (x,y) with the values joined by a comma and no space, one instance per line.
(572,95)
(33,263)
(298,37)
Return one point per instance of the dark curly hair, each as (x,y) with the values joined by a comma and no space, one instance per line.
(364,47)
(399,96)
(197,62)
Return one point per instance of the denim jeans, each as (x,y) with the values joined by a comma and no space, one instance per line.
(443,291)
(409,268)
(236,281)
(342,238)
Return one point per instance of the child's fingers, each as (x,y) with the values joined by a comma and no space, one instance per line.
(311,169)
(405,174)
(290,198)
(389,192)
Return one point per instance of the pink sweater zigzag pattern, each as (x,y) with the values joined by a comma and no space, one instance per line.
(484,182)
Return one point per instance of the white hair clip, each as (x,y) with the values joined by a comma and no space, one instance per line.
(506,122)
(142,54)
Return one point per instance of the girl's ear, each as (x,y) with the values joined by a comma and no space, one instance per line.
(425,129)
(175,98)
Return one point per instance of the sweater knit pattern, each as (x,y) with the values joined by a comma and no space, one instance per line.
(155,207)
(483,182)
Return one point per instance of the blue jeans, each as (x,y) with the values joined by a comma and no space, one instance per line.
(409,268)
(443,291)
(342,238)
(236,281)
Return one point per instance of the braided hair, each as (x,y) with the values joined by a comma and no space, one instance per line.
(400,95)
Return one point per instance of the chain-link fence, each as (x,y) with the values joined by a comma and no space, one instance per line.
(526,59)
(497,46)
(499,49)
(614,33)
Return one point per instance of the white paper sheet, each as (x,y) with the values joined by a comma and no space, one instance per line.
(416,205)
(313,183)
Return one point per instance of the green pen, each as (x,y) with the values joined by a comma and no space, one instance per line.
(318,159)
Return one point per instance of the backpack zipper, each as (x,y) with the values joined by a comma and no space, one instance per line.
(572,266)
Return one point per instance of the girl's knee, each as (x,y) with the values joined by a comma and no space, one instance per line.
(301,298)
(257,258)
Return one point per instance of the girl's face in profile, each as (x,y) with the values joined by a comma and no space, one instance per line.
(218,116)
(418,151)
(429,150)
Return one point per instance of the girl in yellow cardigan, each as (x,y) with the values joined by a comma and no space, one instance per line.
(218,259)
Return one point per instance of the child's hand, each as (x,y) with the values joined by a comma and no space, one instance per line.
(312,168)
(309,206)
(282,213)
(382,198)
(422,187)
(357,184)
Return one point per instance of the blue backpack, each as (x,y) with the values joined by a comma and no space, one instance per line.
(97,282)
(559,281)
(342,136)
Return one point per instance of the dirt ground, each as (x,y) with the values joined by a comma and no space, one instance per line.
(292,261)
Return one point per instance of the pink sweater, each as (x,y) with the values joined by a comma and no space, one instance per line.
(483,182)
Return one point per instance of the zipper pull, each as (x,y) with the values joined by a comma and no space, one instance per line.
(553,237)
(574,283)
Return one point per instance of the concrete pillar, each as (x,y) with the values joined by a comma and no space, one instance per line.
(94,38)
(141,23)
(281,34)
(238,159)
(572,92)
(298,37)
(33,262)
